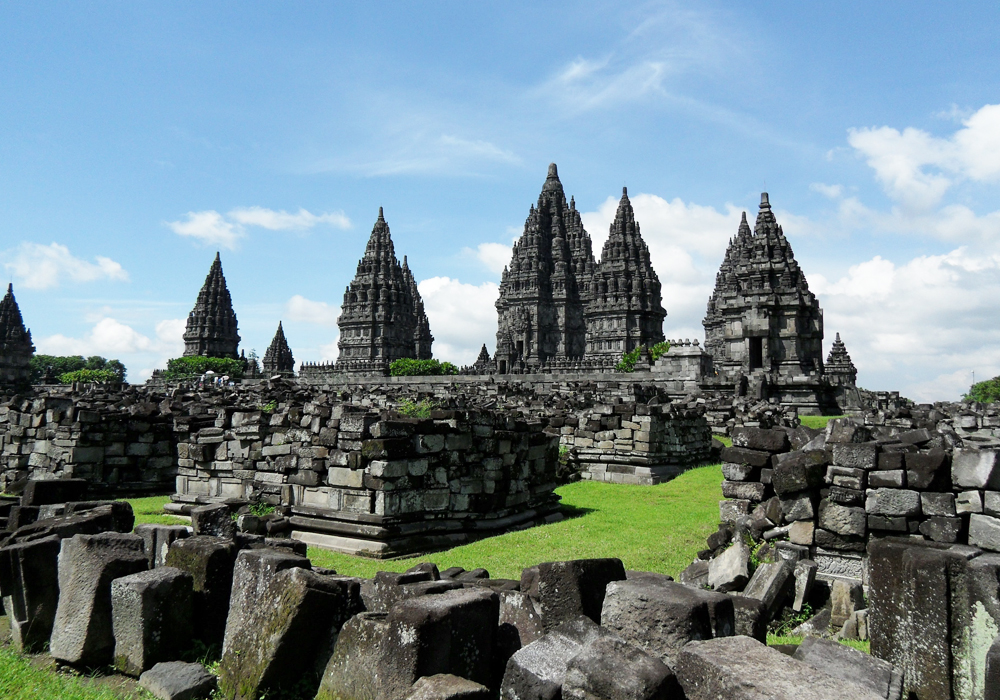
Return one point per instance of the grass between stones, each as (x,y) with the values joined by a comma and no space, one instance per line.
(650,528)
(33,678)
(817,421)
(150,510)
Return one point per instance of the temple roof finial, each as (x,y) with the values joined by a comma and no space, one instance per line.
(764,203)
(553,171)
(624,191)
(380,216)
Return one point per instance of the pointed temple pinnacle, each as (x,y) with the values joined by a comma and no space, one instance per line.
(553,172)
(764,203)
(217,258)
(10,287)
(380,217)
(624,191)
(744,221)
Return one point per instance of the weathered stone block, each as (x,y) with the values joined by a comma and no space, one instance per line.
(662,616)
(28,573)
(82,633)
(740,668)
(210,562)
(801,532)
(941,529)
(40,493)
(771,584)
(157,540)
(731,509)
(760,439)
(752,491)
(304,607)
(609,668)
(894,479)
(740,472)
(843,520)
(799,471)
(744,456)
(984,532)
(932,504)
(537,671)
(566,589)
(975,469)
(893,502)
(851,665)
(215,520)
(750,617)
(856,455)
(444,686)
(178,680)
(805,576)
(968,502)
(797,506)
(730,570)
(151,616)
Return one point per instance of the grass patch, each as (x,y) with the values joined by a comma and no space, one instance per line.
(815,422)
(150,510)
(20,679)
(650,528)
(724,439)
(775,639)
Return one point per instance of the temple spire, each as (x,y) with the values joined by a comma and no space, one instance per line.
(211,326)
(278,359)
(16,348)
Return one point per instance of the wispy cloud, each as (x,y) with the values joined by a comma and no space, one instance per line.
(38,266)
(298,308)
(415,151)
(213,229)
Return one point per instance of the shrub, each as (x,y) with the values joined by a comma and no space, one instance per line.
(629,359)
(985,392)
(408,367)
(196,365)
(63,364)
(100,376)
(415,409)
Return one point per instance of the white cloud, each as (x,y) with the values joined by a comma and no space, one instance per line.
(831,191)
(901,158)
(495,256)
(585,84)
(330,351)
(462,317)
(298,308)
(283,221)
(39,266)
(209,228)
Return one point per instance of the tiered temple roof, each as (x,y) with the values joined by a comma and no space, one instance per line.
(16,347)
(839,367)
(762,315)
(544,290)
(278,359)
(382,316)
(625,308)
(211,326)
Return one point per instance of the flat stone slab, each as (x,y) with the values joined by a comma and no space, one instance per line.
(178,680)
(841,661)
(740,668)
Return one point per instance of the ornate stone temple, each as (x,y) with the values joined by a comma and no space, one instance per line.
(625,306)
(382,318)
(211,326)
(546,287)
(839,367)
(16,348)
(762,316)
(278,358)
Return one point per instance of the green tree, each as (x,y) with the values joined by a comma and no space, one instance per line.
(100,376)
(63,364)
(627,363)
(408,367)
(987,391)
(194,366)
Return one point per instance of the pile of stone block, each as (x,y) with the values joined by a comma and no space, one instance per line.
(375,481)
(836,491)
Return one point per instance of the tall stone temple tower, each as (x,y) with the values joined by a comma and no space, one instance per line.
(546,287)
(840,370)
(762,316)
(211,326)
(382,318)
(625,308)
(278,358)
(16,348)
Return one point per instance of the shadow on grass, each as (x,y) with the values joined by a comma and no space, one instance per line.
(569,511)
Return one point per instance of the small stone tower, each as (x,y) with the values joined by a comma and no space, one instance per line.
(544,290)
(382,318)
(16,348)
(625,309)
(840,370)
(761,316)
(278,358)
(211,326)
(422,338)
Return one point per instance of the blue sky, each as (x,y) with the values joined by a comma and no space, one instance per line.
(136,139)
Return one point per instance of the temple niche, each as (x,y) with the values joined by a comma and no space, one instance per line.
(211,326)
(382,318)
(278,359)
(546,287)
(625,308)
(16,348)
(762,319)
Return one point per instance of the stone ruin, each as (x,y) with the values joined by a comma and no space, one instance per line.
(211,329)
(16,348)
(278,360)
(82,584)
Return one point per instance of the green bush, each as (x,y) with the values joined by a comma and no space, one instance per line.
(63,364)
(100,376)
(415,409)
(984,392)
(629,359)
(196,365)
(408,367)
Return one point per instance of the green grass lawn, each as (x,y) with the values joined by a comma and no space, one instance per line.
(150,510)
(650,528)
(817,421)
(22,678)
